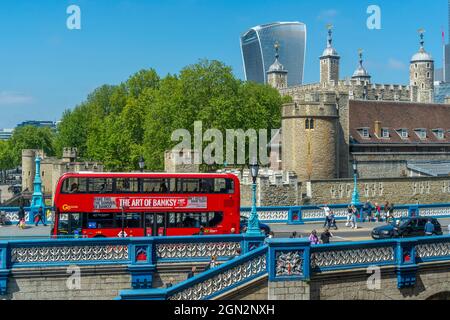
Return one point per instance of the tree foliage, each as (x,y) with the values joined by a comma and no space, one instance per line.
(118,124)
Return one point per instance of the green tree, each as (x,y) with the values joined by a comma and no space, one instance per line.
(30,137)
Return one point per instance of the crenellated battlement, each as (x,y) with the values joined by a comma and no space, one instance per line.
(355,89)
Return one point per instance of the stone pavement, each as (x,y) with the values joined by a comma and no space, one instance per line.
(30,232)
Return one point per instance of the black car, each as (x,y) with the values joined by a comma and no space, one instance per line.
(263,227)
(406,228)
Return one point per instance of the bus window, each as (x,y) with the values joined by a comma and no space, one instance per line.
(99,221)
(100,185)
(188,185)
(216,218)
(131,220)
(206,185)
(155,185)
(127,185)
(74,185)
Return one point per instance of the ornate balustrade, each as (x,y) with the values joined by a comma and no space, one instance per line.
(11,214)
(211,283)
(305,214)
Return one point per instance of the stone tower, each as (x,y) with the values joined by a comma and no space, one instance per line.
(309,138)
(421,73)
(361,73)
(329,62)
(277,75)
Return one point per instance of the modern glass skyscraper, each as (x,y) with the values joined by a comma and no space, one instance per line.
(258,51)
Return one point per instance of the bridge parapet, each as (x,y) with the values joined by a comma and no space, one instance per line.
(305,214)
(290,264)
(139,255)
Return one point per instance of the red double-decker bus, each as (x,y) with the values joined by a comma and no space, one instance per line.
(143,204)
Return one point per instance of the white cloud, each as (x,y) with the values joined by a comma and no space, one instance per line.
(14,98)
(327,15)
(396,64)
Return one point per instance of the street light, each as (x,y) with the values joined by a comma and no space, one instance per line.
(355,195)
(141,163)
(253,222)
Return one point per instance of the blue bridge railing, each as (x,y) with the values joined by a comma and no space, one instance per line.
(298,260)
(307,214)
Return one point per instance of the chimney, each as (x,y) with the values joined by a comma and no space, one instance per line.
(378,129)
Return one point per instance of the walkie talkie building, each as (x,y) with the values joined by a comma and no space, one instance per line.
(258,51)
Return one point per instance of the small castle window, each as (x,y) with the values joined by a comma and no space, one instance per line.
(428,75)
(423,86)
(428,65)
(309,124)
(415,75)
(415,66)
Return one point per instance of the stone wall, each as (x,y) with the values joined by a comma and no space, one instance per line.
(394,190)
(257,290)
(432,281)
(289,290)
(278,189)
(96,284)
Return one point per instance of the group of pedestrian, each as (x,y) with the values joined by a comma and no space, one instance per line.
(352,215)
(330,219)
(324,237)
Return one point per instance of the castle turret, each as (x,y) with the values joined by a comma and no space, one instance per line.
(329,62)
(361,73)
(422,73)
(277,75)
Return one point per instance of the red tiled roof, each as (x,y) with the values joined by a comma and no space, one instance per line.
(399,115)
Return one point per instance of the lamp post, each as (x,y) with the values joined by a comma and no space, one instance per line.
(253,222)
(355,195)
(141,163)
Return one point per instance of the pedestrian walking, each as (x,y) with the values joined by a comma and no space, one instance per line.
(367,211)
(332,223)
(21,215)
(377,212)
(354,225)
(313,238)
(429,228)
(386,209)
(349,215)
(326,236)
(327,211)
(40,217)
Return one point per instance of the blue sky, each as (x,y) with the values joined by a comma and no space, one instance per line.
(46,68)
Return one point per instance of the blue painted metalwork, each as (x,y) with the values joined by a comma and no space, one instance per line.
(253,221)
(297,215)
(37,200)
(202,286)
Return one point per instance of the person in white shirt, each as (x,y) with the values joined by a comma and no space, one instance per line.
(327,215)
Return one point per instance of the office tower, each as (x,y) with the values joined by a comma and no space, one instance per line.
(257,50)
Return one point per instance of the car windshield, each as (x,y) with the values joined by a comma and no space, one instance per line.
(401,223)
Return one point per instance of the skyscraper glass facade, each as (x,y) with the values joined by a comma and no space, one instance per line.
(258,51)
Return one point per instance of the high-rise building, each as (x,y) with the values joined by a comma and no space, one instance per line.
(257,50)
(6,134)
(40,124)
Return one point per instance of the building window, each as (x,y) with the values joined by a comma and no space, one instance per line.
(385,133)
(415,66)
(439,133)
(423,86)
(415,75)
(421,133)
(309,124)
(428,65)
(428,75)
(364,132)
(403,133)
